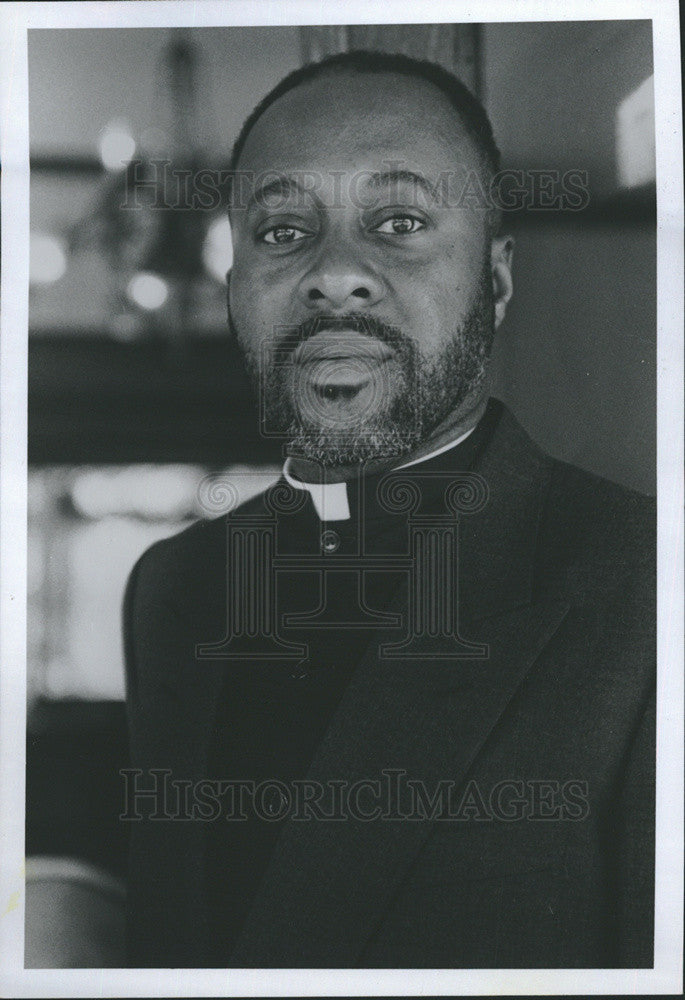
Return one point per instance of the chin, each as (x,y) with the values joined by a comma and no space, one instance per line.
(334,449)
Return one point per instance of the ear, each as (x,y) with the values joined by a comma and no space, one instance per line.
(501,257)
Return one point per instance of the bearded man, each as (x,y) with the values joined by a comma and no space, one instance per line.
(398,710)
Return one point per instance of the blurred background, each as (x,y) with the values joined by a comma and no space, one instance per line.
(136,394)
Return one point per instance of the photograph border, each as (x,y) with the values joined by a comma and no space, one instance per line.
(666,977)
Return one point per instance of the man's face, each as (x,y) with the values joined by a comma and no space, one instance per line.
(361,289)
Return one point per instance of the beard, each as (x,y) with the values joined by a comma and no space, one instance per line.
(406,401)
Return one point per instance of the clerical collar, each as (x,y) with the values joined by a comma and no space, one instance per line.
(331,500)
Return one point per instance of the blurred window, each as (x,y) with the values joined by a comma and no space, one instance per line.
(87,526)
(635,150)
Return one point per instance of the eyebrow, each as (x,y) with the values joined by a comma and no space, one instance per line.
(283,186)
(387,177)
(286,185)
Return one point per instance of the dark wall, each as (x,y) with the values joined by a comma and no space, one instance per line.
(576,355)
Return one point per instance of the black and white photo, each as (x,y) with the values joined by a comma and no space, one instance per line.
(352,477)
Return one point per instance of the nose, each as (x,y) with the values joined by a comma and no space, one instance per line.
(339,279)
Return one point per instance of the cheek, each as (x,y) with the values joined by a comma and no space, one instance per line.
(250,302)
(432,302)
(258,289)
(248,324)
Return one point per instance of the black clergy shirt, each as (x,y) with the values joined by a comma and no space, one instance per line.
(269,726)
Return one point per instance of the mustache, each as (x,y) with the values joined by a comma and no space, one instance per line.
(361,323)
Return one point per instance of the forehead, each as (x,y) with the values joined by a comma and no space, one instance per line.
(352,120)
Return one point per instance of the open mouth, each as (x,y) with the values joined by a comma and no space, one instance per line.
(341,377)
(337,365)
(337,393)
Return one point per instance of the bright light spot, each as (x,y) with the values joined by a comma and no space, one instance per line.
(47,259)
(148,290)
(217,252)
(117,146)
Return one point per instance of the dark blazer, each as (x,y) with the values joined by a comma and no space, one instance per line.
(557,577)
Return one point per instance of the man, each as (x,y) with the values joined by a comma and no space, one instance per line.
(427,657)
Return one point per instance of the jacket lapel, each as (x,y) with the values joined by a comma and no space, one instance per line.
(329,882)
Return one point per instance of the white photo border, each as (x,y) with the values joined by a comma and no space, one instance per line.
(666,977)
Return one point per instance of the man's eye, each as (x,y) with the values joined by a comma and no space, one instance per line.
(400,224)
(283,234)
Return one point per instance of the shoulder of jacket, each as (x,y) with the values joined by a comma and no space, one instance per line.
(191,552)
(599,501)
(602,534)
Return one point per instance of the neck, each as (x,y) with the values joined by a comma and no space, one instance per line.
(452,427)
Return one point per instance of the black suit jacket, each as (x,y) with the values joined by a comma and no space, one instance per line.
(557,578)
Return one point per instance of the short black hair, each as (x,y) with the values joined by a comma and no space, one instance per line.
(469,108)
